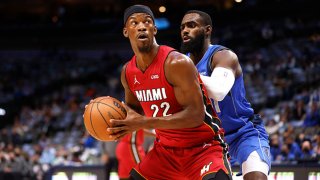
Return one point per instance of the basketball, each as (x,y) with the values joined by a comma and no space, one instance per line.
(98,113)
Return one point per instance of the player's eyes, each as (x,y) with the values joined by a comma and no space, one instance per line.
(192,25)
(135,23)
(188,25)
(148,21)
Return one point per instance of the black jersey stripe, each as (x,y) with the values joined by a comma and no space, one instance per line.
(212,120)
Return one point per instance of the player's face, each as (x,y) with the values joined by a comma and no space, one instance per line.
(192,33)
(140,30)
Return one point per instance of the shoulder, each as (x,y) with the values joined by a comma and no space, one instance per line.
(225,54)
(123,74)
(124,67)
(228,59)
(178,67)
(176,58)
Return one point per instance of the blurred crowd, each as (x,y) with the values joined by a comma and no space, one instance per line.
(48,91)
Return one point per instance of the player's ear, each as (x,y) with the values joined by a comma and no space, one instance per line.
(155,30)
(208,30)
(125,32)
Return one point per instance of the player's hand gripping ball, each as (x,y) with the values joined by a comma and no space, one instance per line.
(98,113)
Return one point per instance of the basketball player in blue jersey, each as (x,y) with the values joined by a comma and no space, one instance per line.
(222,75)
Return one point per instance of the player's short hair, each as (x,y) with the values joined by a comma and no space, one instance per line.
(204,16)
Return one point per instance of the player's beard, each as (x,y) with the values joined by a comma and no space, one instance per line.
(145,48)
(194,45)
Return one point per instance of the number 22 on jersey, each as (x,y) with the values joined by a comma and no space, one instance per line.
(165,106)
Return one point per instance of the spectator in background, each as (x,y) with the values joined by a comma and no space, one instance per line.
(298,111)
(88,141)
(313,115)
(275,147)
(61,156)
(307,150)
(290,150)
(90,150)
(300,138)
(316,146)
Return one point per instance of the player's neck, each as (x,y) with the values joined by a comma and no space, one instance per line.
(196,56)
(143,60)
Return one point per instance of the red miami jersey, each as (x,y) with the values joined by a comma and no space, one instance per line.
(157,99)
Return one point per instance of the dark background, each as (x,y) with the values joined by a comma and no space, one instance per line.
(97,23)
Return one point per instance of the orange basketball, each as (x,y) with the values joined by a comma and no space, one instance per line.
(98,113)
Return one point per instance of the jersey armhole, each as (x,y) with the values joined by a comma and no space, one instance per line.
(210,62)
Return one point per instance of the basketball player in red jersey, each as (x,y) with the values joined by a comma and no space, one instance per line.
(163,84)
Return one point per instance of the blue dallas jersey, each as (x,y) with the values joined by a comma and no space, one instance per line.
(234,110)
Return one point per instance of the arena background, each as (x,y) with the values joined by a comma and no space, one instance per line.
(56,55)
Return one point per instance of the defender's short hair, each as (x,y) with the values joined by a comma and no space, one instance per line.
(204,16)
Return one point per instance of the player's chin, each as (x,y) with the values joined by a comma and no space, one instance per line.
(144,47)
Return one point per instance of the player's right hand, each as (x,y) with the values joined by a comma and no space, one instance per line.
(133,122)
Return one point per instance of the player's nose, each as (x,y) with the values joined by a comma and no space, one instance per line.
(184,30)
(184,33)
(141,27)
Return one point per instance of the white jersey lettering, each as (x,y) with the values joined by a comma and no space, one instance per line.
(151,94)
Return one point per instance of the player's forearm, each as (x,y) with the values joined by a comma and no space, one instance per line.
(186,118)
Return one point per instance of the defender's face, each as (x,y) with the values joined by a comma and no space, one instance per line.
(140,30)
(192,33)
(190,28)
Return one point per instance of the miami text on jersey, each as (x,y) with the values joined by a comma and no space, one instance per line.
(151,94)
